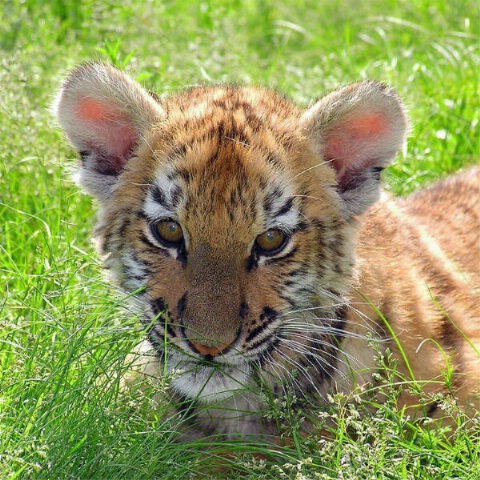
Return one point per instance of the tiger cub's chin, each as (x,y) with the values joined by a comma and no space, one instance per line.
(209,383)
(251,234)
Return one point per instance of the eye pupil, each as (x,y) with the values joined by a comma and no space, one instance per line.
(270,242)
(169,231)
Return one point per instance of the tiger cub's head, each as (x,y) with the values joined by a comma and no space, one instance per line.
(232,214)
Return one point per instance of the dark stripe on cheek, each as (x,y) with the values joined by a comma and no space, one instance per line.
(254,333)
(268,313)
(449,334)
(265,357)
(123,229)
(244,311)
(159,306)
(339,322)
(181,305)
(160,309)
(272,260)
(145,240)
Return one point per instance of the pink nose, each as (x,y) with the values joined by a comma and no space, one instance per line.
(209,350)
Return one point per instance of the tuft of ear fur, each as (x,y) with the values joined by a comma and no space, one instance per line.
(104,114)
(358,129)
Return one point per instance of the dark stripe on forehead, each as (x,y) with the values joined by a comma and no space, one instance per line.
(185,174)
(219,128)
(168,198)
(177,151)
(271,159)
(176,196)
(286,207)
(269,200)
(159,197)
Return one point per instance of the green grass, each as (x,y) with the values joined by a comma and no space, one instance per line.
(64,334)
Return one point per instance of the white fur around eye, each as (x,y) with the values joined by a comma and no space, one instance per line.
(170,203)
(154,211)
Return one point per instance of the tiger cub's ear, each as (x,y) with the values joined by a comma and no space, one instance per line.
(104,114)
(358,130)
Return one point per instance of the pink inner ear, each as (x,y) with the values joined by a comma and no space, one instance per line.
(91,110)
(351,145)
(368,126)
(109,129)
(98,112)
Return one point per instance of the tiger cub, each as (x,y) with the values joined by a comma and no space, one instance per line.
(264,260)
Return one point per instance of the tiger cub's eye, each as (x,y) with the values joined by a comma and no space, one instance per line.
(271,242)
(168,232)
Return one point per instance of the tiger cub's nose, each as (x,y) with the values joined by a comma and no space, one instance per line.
(210,351)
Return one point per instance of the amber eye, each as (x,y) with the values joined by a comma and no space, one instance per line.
(271,242)
(168,232)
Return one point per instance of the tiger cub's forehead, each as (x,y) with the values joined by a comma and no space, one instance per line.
(212,190)
(224,158)
(256,104)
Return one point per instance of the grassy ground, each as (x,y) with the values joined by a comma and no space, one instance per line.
(64,334)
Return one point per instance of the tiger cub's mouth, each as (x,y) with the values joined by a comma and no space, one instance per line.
(209,382)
